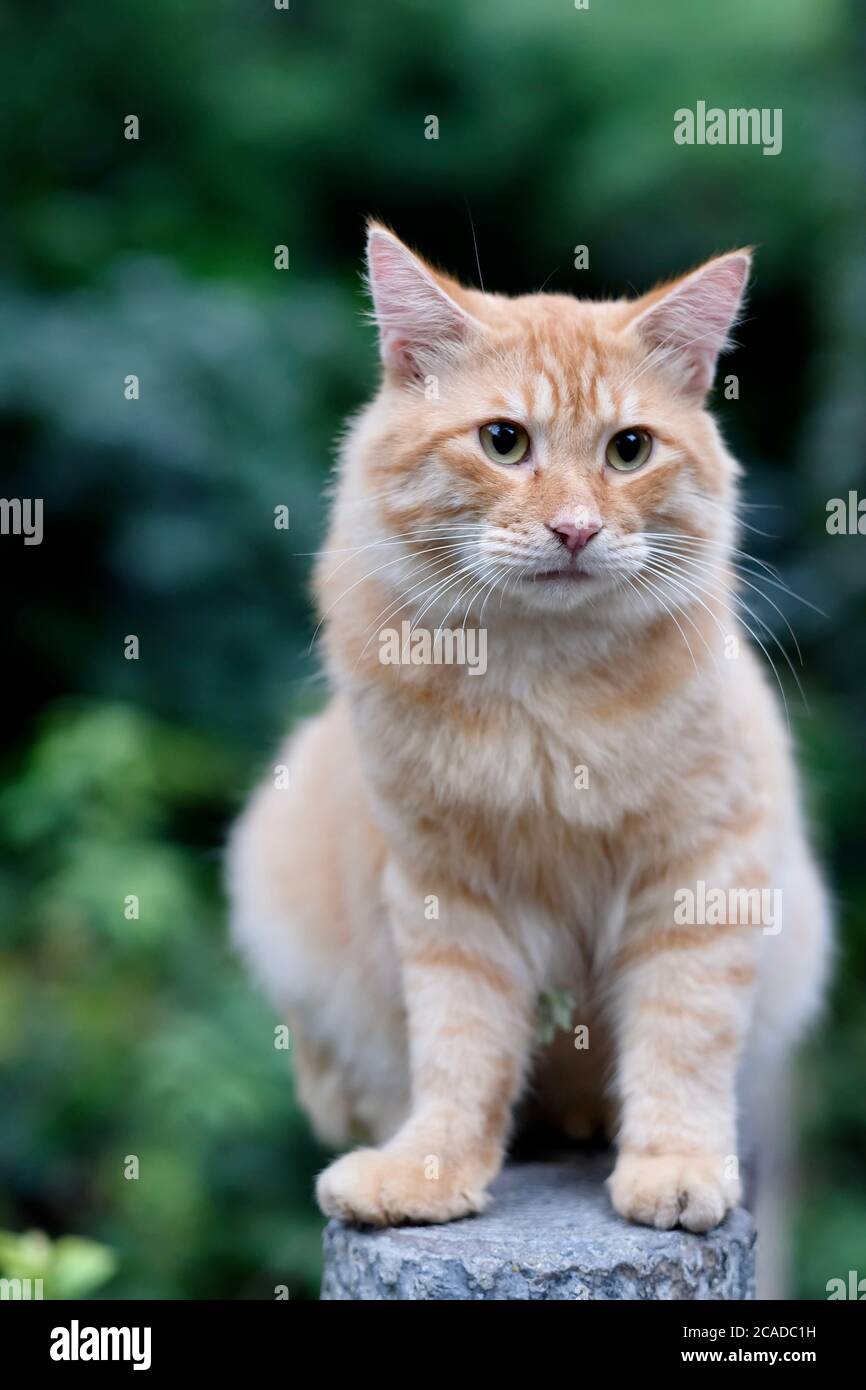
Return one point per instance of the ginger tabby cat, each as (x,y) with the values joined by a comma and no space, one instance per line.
(454,842)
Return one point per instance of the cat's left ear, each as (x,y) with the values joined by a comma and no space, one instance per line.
(417,310)
(687,325)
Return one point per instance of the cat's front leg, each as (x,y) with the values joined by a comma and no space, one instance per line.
(470,1013)
(683,1005)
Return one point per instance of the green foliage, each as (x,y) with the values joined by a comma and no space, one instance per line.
(68,1268)
(554,1013)
(137,1036)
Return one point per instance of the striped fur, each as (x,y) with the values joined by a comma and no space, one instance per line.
(433,866)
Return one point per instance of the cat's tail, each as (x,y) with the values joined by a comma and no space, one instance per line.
(769,1177)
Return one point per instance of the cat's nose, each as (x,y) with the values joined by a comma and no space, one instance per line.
(574,537)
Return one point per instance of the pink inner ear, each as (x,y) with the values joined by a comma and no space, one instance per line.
(690,326)
(413,312)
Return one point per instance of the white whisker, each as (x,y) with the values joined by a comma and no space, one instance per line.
(431,550)
(739,618)
(670,551)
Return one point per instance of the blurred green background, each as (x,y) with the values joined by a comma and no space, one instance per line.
(261,127)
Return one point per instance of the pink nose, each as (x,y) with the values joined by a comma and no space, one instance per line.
(575,537)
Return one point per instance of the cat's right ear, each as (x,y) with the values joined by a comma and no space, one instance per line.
(418,320)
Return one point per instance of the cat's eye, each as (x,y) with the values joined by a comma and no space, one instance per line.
(629,449)
(504,442)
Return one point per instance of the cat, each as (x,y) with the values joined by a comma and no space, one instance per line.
(450,845)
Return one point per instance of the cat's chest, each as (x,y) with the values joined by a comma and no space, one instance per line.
(510,761)
(549,812)
(543,801)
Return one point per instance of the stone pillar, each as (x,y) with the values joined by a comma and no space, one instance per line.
(549,1233)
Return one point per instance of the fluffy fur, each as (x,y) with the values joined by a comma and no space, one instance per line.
(434,864)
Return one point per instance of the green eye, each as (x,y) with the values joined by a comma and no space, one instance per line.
(504,442)
(628,450)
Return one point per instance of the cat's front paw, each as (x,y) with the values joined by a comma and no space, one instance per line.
(690,1190)
(391,1186)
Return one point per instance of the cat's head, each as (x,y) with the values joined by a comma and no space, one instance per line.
(544,448)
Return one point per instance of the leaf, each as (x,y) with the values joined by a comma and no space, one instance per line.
(554,1013)
(70,1267)
(80,1266)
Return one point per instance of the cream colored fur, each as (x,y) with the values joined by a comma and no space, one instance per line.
(432,866)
